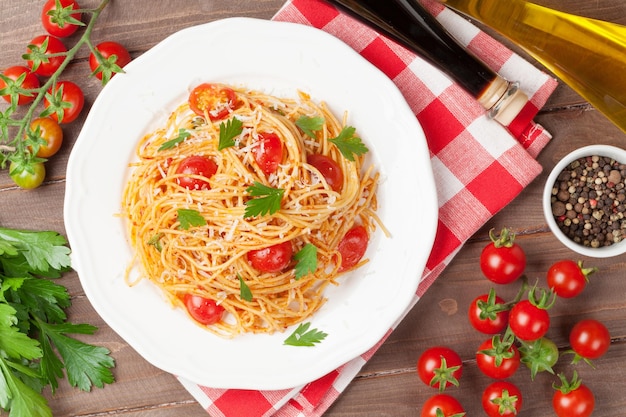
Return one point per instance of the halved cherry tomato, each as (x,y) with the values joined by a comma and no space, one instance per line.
(214,99)
(203,310)
(440,367)
(329,169)
(55,20)
(269,152)
(48,66)
(64,102)
(442,405)
(115,56)
(30,82)
(502,399)
(353,246)
(196,165)
(273,258)
(50,131)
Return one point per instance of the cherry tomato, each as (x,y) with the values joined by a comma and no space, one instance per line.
(55,20)
(30,82)
(503,261)
(54,46)
(115,56)
(64,102)
(203,310)
(269,152)
(217,100)
(29,176)
(274,258)
(568,278)
(528,322)
(540,355)
(440,365)
(50,131)
(497,363)
(502,399)
(192,167)
(352,247)
(590,339)
(487,313)
(442,405)
(329,169)
(573,399)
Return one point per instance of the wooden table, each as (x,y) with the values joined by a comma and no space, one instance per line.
(387,385)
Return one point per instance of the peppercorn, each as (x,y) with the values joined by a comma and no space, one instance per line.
(589,201)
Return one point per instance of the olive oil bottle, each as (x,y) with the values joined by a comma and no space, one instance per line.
(587,54)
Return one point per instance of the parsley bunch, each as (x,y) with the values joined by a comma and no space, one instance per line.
(35,348)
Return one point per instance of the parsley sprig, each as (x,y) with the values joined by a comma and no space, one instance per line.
(348,144)
(14,123)
(36,349)
(267,200)
(302,336)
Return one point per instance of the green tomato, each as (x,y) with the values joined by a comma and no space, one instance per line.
(540,355)
(27,176)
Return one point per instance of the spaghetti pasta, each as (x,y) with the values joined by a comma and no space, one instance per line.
(193,232)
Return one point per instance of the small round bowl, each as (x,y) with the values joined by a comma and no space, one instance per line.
(613,152)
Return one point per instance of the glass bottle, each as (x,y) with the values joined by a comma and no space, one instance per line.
(410,24)
(587,54)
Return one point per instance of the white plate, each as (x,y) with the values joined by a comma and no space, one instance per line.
(278,58)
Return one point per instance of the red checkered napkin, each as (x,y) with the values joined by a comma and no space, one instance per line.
(479,168)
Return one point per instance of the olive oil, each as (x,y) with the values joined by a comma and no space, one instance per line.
(407,22)
(587,54)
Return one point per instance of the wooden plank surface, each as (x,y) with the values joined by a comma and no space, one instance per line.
(387,385)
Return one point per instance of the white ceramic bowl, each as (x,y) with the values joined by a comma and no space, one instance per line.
(601,150)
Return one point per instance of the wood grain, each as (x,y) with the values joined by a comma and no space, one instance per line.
(387,385)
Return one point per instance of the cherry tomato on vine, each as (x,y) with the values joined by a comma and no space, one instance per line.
(217,100)
(27,176)
(13,88)
(540,355)
(60,21)
(47,45)
(498,362)
(273,258)
(45,129)
(440,367)
(115,57)
(573,398)
(329,169)
(488,313)
(269,152)
(194,167)
(590,339)
(568,278)
(502,261)
(502,399)
(352,247)
(528,322)
(442,405)
(203,310)
(64,102)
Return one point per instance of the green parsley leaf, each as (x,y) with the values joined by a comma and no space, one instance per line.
(268,201)
(307,260)
(182,135)
(189,217)
(302,336)
(244,290)
(348,144)
(228,132)
(310,124)
(41,250)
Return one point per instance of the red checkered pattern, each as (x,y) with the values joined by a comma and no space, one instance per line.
(479,167)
